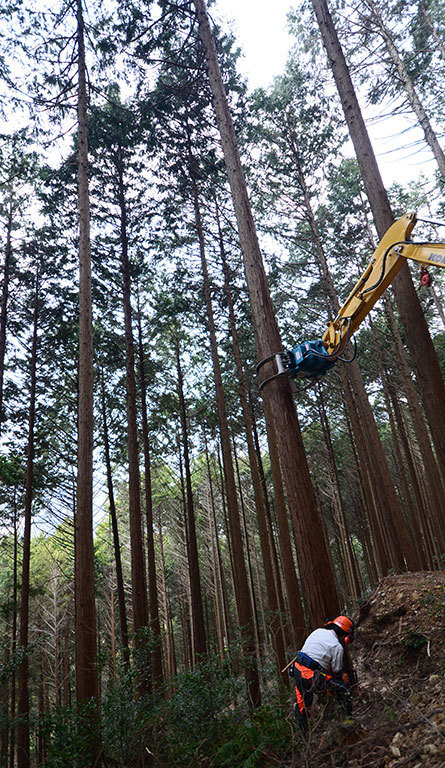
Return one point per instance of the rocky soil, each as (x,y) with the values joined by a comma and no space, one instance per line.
(399,708)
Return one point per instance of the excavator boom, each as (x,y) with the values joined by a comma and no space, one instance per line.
(314,358)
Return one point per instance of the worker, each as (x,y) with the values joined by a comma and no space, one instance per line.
(319,667)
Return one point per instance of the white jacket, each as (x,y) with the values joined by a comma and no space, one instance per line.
(323,646)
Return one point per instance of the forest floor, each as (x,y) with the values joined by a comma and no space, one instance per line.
(399,705)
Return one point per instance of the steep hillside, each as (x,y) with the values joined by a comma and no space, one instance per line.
(399,709)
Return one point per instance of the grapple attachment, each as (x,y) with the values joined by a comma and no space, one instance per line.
(309,360)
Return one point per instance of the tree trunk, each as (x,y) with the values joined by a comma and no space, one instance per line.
(216,582)
(23,742)
(243,601)
(138,577)
(364,460)
(411,556)
(433,30)
(4,707)
(434,480)
(87,686)
(272,527)
(199,633)
(12,742)
(123,624)
(407,85)
(4,305)
(156,656)
(222,576)
(421,348)
(277,635)
(339,511)
(383,486)
(296,614)
(254,598)
(170,659)
(314,560)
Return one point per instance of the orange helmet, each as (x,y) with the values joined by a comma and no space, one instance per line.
(346,625)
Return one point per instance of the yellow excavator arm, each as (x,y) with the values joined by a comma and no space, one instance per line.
(394,248)
(312,359)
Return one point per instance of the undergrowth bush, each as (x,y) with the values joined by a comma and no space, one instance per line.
(201,715)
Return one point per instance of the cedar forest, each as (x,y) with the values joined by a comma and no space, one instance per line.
(170,533)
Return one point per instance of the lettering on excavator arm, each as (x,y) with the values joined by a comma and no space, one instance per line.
(312,359)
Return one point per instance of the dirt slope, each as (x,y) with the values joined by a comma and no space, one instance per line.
(400,660)
(399,706)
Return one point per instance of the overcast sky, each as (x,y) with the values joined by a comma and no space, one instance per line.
(260,29)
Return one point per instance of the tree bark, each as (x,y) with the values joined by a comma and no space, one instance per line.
(156,656)
(433,30)
(12,741)
(123,624)
(314,560)
(242,597)
(87,684)
(408,86)
(420,345)
(199,633)
(277,635)
(4,305)
(23,738)
(138,576)
(222,576)
(339,511)
(435,485)
(272,525)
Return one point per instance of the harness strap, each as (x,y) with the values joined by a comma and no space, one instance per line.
(306,661)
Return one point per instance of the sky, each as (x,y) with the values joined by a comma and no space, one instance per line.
(260,28)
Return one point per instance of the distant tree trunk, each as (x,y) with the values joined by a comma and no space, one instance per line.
(13,636)
(4,304)
(272,526)
(123,624)
(240,576)
(156,656)
(222,577)
(189,649)
(339,511)
(66,662)
(4,707)
(434,479)
(199,633)
(216,583)
(87,685)
(408,86)
(254,597)
(421,499)
(40,751)
(277,635)
(440,43)
(438,302)
(297,619)
(313,556)
(383,485)
(413,558)
(363,518)
(421,348)
(138,577)
(23,743)
(112,666)
(364,461)
(170,660)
